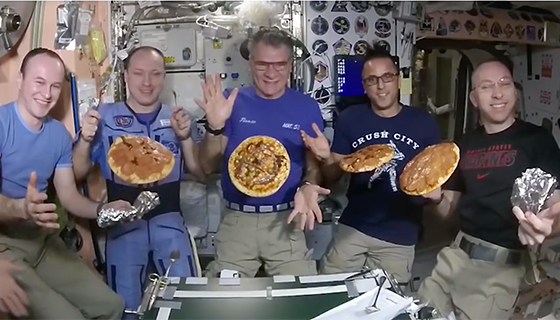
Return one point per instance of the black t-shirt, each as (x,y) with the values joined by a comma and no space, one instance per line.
(489,165)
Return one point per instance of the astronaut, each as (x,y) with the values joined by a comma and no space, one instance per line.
(162,230)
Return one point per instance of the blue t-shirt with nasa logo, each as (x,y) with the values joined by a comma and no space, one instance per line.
(280,118)
(376,205)
(118,119)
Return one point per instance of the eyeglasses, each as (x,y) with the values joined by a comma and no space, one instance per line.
(488,86)
(386,78)
(278,66)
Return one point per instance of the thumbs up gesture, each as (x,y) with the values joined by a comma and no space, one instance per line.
(34,207)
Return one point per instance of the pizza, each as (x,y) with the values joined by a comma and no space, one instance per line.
(140,160)
(259,166)
(367,159)
(430,169)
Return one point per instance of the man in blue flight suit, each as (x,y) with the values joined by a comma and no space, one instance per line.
(162,230)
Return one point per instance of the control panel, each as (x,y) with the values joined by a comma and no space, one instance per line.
(228,58)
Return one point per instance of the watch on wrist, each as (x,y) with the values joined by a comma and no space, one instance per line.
(303,183)
(215,132)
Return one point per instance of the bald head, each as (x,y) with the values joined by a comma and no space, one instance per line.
(487,71)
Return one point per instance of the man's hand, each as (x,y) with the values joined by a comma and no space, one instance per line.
(215,105)
(13,299)
(34,207)
(534,229)
(306,204)
(435,196)
(181,123)
(90,123)
(318,146)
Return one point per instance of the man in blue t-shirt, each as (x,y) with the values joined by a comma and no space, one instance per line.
(33,148)
(162,230)
(380,226)
(258,230)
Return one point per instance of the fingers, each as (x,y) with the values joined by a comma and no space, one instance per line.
(323,191)
(317,213)
(210,88)
(49,225)
(15,306)
(316,129)
(32,184)
(233,95)
(310,221)
(37,197)
(518,213)
(200,104)
(293,215)
(217,84)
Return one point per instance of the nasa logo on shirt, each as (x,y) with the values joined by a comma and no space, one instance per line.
(171,146)
(124,121)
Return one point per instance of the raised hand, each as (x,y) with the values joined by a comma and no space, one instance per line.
(13,299)
(215,105)
(319,145)
(90,123)
(181,123)
(306,204)
(34,207)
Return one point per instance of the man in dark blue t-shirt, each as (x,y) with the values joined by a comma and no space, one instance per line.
(380,225)
(257,230)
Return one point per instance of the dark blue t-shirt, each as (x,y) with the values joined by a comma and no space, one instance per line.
(377,207)
(281,118)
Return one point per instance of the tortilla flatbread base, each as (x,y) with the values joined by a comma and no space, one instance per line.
(367,159)
(430,169)
(259,166)
(140,160)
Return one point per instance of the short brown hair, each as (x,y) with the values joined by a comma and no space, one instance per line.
(39,51)
(273,37)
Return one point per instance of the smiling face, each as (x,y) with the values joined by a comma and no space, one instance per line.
(381,82)
(494,94)
(270,67)
(40,85)
(145,77)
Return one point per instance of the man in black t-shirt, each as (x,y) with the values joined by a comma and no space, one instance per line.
(479,275)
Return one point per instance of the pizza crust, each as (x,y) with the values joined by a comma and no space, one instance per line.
(139,160)
(367,159)
(430,169)
(259,166)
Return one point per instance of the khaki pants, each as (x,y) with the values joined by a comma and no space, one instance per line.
(472,289)
(58,284)
(350,250)
(247,240)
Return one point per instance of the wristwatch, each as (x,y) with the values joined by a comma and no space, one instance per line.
(215,132)
(303,183)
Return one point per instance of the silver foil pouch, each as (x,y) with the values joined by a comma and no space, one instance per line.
(532,189)
(146,202)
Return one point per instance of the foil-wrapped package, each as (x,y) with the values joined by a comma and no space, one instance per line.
(532,189)
(146,202)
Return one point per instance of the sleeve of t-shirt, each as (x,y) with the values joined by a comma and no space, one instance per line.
(433,133)
(341,144)
(65,152)
(547,155)
(455,182)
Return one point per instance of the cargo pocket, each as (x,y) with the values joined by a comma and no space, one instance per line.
(504,305)
(227,228)
(301,255)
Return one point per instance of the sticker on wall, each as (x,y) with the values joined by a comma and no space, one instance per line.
(546,66)
(441,27)
(487,13)
(319,26)
(540,34)
(483,28)
(531,33)
(455,26)
(545,97)
(470,26)
(361,26)
(322,95)
(427,24)
(513,15)
(382,8)
(382,44)
(340,6)
(341,25)
(496,30)
(342,46)
(508,30)
(360,6)
(321,72)
(382,28)
(318,6)
(361,47)
(520,32)
(319,47)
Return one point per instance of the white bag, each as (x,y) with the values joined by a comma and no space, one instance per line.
(194,207)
